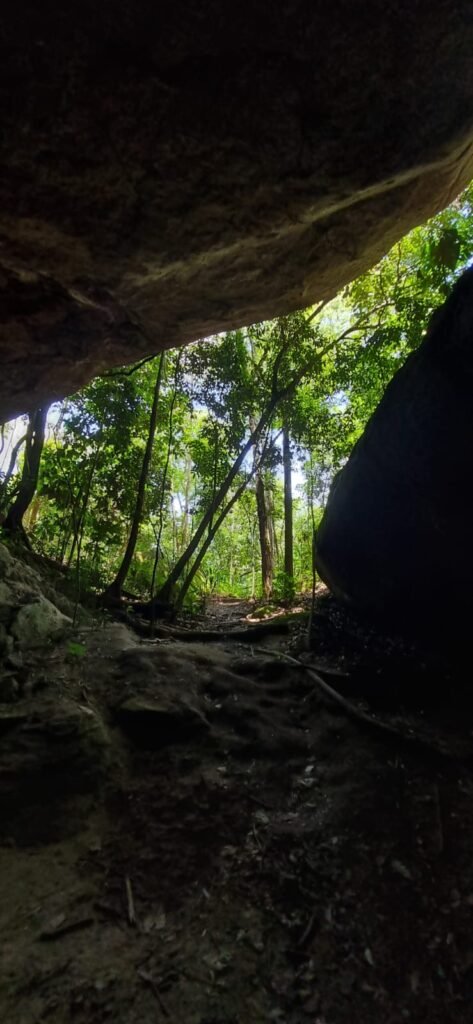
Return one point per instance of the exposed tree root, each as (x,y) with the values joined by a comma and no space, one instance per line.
(248,634)
(415,743)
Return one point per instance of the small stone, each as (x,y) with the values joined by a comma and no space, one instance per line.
(401,869)
(154,922)
(414,981)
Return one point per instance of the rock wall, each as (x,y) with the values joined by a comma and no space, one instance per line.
(396,539)
(170,170)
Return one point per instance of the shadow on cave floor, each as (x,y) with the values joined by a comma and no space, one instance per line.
(244,852)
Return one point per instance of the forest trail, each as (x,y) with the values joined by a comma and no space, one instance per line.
(247,853)
(229,609)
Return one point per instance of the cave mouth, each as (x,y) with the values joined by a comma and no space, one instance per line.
(346,413)
(227,795)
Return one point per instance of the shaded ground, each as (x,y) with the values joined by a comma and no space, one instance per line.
(245,853)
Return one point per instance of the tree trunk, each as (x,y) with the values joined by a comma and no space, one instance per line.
(164,481)
(288,522)
(11,466)
(63,542)
(115,588)
(208,540)
(216,524)
(78,522)
(222,492)
(185,516)
(31,515)
(264,523)
(277,396)
(29,477)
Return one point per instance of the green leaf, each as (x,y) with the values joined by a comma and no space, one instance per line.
(76,649)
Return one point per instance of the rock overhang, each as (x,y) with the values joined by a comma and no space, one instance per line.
(171,171)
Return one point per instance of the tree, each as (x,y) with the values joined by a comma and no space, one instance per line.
(288,517)
(114,590)
(265,536)
(164,474)
(273,395)
(29,477)
(4,482)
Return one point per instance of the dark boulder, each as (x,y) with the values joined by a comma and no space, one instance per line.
(396,539)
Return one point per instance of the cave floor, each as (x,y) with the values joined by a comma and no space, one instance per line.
(264,858)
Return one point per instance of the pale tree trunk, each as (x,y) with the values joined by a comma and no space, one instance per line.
(11,466)
(230,564)
(164,481)
(187,491)
(288,518)
(31,515)
(29,477)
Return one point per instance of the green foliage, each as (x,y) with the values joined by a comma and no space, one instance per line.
(284,588)
(320,372)
(76,650)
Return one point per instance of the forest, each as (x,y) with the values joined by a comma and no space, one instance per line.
(227,794)
(204,471)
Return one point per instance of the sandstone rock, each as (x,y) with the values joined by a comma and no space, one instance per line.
(396,539)
(37,624)
(172,170)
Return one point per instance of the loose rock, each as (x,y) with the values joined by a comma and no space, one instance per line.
(38,623)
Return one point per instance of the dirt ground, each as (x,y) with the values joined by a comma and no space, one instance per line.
(248,852)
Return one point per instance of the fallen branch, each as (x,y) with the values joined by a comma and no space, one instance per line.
(130,902)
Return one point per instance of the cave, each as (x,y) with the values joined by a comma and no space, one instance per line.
(205,825)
